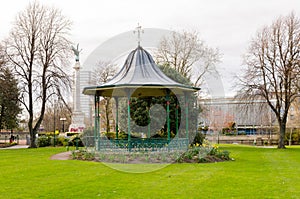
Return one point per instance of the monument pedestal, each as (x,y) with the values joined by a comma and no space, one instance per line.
(77,124)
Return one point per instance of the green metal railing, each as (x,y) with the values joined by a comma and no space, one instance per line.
(138,144)
(135,144)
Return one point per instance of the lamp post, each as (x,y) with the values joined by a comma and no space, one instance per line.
(54,123)
(63,119)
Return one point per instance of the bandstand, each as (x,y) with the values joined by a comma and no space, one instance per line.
(140,77)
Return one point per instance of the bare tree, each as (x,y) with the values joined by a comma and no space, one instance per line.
(272,71)
(61,111)
(103,73)
(188,55)
(38,50)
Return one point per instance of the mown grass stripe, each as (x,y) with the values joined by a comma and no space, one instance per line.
(255,173)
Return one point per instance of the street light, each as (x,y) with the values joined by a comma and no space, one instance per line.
(54,113)
(63,119)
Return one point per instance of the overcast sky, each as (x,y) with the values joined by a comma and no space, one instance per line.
(225,24)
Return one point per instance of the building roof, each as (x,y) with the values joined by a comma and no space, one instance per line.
(141,77)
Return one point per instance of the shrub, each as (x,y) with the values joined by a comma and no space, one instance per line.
(110,135)
(83,155)
(74,140)
(295,136)
(224,155)
(61,141)
(204,153)
(43,141)
(198,138)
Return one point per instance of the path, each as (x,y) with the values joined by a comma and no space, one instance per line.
(62,156)
(19,146)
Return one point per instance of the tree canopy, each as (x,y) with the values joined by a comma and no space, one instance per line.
(9,99)
(102,74)
(189,55)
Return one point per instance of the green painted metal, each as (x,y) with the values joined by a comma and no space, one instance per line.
(128,120)
(176,118)
(186,115)
(99,120)
(144,144)
(117,117)
(96,128)
(95,121)
(168,114)
(149,121)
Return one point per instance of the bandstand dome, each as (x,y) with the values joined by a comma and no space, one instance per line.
(142,76)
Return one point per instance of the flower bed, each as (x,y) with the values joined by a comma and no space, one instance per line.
(4,145)
(204,153)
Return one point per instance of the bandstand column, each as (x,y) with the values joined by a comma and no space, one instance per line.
(176,117)
(128,120)
(117,117)
(97,121)
(186,99)
(149,119)
(168,114)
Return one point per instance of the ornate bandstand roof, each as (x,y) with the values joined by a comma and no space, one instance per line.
(141,77)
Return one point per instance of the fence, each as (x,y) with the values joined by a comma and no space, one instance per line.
(15,137)
(248,140)
(135,144)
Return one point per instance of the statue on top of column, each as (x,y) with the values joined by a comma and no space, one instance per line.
(76,52)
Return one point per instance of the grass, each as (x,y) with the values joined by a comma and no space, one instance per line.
(255,173)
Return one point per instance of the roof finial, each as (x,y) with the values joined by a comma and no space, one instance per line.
(138,30)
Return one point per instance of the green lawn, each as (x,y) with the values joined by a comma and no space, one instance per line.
(255,173)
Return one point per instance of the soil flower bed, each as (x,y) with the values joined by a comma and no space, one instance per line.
(205,153)
(4,145)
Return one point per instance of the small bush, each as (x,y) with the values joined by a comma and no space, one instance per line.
(83,155)
(61,141)
(75,140)
(224,155)
(43,141)
(199,138)
(204,153)
(295,136)
(110,135)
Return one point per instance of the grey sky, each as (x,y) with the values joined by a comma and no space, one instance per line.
(226,24)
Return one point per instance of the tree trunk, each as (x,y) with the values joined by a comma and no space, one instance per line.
(281,140)
(31,131)
(1,117)
(32,140)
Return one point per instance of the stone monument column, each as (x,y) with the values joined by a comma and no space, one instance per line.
(77,124)
(76,99)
